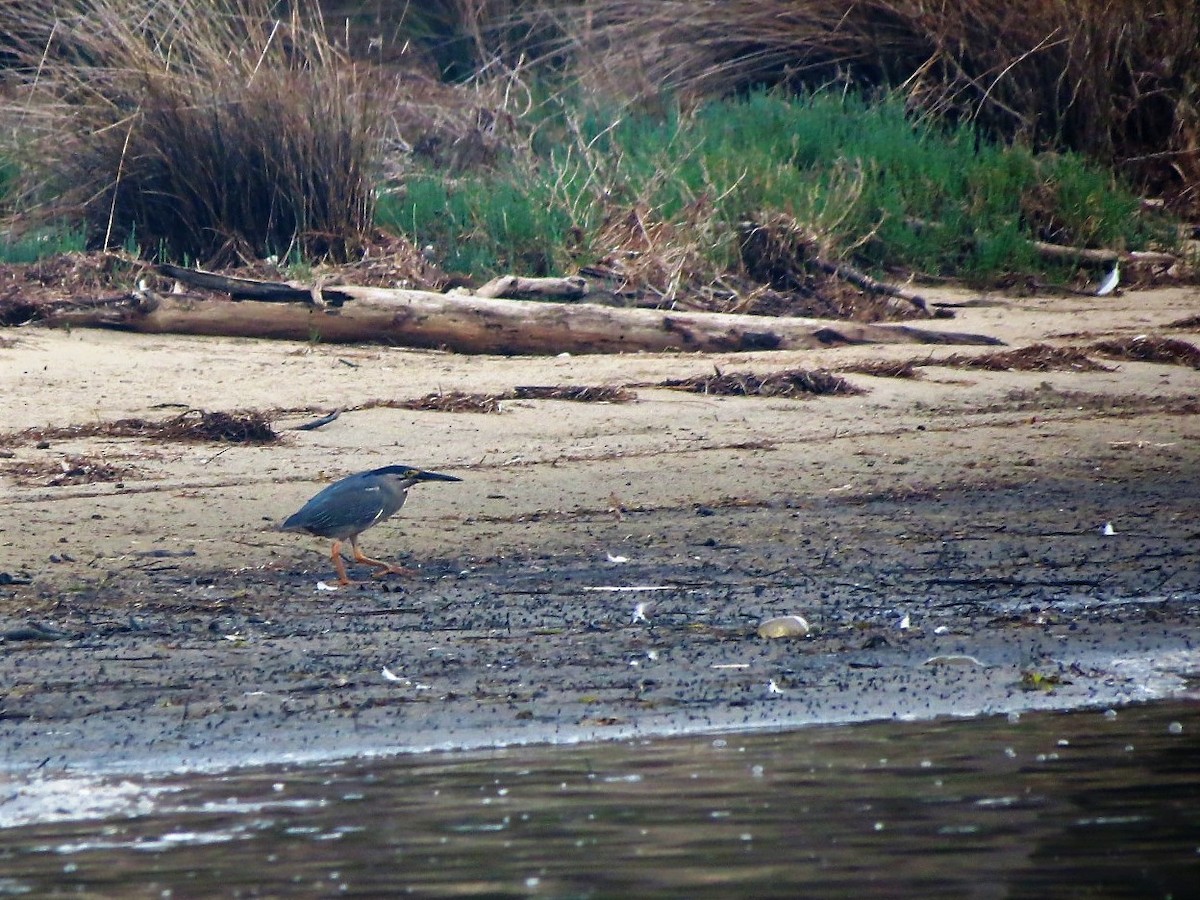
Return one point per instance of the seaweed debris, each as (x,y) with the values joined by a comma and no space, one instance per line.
(1146,348)
(1034,358)
(246,427)
(787,383)
(574,393)
(884,368)
(462,401)
(444,401)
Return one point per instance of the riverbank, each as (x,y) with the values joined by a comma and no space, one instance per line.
(964,542)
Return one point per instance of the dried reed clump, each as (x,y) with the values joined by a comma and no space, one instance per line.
(466,402)
(195,130)
(1034,358)
(884,368)
(1119,81)
(1149,348)
(239,427)
(448,401)
(663,258)
(458,38)
(575,393)
(786,383)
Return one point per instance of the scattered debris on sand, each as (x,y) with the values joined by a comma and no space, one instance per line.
(1186,323)
(442,401)
(885,368)
(574,393)
(1147,348)
(787,383)
(1034,358)
(1044,358)
(238,427)
(467,402)
(68,470)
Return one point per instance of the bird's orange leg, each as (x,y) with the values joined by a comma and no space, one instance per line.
(336,556)
(382,568)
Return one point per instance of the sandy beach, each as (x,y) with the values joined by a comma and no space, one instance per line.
(963,542)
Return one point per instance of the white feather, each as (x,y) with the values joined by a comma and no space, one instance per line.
(1110,282)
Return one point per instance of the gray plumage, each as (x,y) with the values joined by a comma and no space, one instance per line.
(347,508)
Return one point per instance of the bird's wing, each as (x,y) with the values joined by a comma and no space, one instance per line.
(337,513)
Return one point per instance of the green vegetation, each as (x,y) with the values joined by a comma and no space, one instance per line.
(483,225)
(37,243)
(859,180)
(41,244)
(943,144)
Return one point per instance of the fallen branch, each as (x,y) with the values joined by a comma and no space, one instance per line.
(781,252)
(238,288)
(867,283)
(469,324)
(514,287)
(314,424)
(1088,254)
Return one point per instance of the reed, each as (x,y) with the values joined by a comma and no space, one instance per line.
(200,131)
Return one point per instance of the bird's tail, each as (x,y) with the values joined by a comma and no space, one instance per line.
(291,523)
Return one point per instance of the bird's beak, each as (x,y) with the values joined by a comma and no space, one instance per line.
(433,476)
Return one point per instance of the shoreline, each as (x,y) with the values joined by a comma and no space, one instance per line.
(974,503)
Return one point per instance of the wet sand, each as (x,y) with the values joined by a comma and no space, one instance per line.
(178,631)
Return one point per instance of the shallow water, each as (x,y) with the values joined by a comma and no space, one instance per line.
(1096,803)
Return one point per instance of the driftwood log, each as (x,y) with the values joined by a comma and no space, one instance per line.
(510,286)
(465,323)
(1087,254)
(1082,254)
(519,288)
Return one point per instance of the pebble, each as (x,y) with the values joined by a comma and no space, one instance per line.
(783,627)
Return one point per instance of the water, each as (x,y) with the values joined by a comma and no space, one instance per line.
(1088,803)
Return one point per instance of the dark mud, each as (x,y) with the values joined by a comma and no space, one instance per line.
(960,601)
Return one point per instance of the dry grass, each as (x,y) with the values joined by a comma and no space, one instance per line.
(458,38)
(1034,358)
(1147,348)
(1187,323)
(210,132)
(787,383)
(466,402)
(662,258)
(1045,358)
(443,401)
(1119,81)
(885,368)
(248,427)
(575,393)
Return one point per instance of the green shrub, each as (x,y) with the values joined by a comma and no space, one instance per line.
(1118,81)
(863,180)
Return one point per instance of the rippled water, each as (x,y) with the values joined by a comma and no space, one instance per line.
(1089,803)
